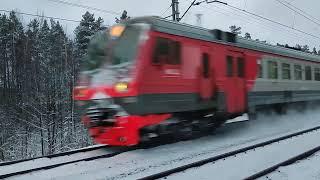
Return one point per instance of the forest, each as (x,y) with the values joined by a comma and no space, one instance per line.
(38,69)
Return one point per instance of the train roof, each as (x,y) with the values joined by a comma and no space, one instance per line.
(186,30)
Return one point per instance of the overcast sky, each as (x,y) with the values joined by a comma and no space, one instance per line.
(214,15)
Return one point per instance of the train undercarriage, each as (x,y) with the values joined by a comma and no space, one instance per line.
(111,125)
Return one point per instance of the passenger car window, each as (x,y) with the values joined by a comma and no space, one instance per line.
(308,73)
(317,74)
(260,70)
(272,70)
(205,65)
(297,72)
(229,66)
(286,71)
(167,51)
(240,67)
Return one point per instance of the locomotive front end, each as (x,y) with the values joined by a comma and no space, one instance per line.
(108,78)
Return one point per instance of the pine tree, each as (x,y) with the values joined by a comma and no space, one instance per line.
(44,41)
(32,58)
(14,53)
(236,30)
(16,33)
(98,25)
(298,47)
(247,35)
(87,27)
(4,133)
(278,44)
(314,51)
(4,38)
(124,16)
(305,48)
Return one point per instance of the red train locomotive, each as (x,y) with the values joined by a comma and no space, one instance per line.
(149,76)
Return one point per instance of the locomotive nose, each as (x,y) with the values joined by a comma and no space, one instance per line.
(102,113)
(101,116)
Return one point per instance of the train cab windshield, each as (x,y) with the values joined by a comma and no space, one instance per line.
(111,53)
(113,47)
(126,46)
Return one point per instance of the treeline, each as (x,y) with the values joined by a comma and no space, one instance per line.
(304,48)
(38,67)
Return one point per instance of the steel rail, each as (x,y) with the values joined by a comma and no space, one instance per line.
(63,163)
(55,155)
(287,162)
(225,155)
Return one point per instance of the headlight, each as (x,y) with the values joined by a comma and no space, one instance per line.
(121,87)
(116,31)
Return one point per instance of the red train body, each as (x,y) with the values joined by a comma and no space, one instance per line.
(154,72)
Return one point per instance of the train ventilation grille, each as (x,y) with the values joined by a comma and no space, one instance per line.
(101,116)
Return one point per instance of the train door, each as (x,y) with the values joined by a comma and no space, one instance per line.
(206,75)
(235,82)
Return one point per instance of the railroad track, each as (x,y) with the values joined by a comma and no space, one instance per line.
(243,150)
(287,162)
(54,155)
(20,167)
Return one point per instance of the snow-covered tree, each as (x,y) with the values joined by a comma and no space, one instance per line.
(37,72)
(86,29)
(98,25)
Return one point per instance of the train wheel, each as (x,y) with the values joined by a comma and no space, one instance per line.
(185,132)
(216,123)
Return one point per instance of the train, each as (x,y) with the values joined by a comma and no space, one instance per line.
(148,76)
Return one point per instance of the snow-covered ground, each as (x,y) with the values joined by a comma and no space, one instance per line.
(143,162)
(308,169)
(246,164)
(41,162)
